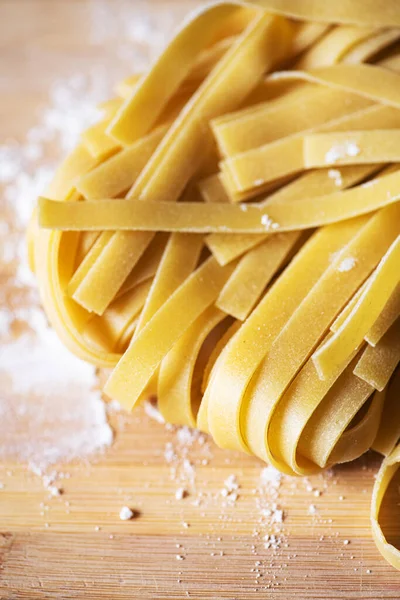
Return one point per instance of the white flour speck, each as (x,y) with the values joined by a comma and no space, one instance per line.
(125,514)
(347,264)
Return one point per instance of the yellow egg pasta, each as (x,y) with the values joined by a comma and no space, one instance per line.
(227,236)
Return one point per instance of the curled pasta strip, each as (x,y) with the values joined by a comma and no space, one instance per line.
(386,473)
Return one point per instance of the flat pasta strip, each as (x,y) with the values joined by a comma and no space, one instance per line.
(333,46)
(106,331)
(358,438)
(66,317)
(366,311)
(370,81)
(389,429)
(179,260)
(352,147)
(114,176)
(79,162)
(99,278)
(365,13)
(366,49)
(96,140)
(154,341)
(195,217)
(387,317)
(239,71)
(377,365)
(118,173)
(86,241)
(342,316)
(324,436)
(148,264)
(89,259)
(253,273)
(178,392)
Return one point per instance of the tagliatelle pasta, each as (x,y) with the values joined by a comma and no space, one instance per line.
(227,236)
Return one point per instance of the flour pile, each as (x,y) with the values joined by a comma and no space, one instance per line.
(51,409)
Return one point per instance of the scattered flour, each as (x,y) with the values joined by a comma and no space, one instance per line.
(50,410)
(336,175)
(347,264)
(50,407)
(268,223)
(125,514)
(341,151)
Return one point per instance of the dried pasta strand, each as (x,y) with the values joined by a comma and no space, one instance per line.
(100,279)
(86,241)
(96,140)
(195,217)
(79,162)
(89,260)
(54,258)
(359,12)
(107,330)
(377,365)
(239,71)
(370,81)
(66,317)
(334,46)
(177,401)
(253,273)
(342,316)
(117,174)
(177,263)
(387,317)
(364,314)
(147,265)
(370,46)
(351,147)
(153,343)
(389,429)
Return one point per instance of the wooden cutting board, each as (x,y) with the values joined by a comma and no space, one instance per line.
(75,545)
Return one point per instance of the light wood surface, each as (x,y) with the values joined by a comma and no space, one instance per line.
(75,545)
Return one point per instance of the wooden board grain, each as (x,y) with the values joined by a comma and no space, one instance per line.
(75,545)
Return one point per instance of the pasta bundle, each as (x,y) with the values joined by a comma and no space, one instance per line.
(227,236)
